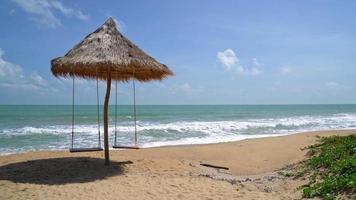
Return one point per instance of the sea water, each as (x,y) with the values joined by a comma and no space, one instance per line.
(29,128)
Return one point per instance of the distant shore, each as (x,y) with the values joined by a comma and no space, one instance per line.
(161,172)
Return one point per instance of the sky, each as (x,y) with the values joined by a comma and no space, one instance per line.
(222,52)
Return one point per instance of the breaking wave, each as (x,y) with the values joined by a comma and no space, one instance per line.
(172,133)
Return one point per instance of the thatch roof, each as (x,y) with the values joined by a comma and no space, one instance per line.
(107,50)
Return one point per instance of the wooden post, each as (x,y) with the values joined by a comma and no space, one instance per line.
(106,130)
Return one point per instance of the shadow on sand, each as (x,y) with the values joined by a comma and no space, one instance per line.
(61,170)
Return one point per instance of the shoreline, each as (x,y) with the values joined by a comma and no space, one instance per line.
(261,136)
(251,138)
(171,172)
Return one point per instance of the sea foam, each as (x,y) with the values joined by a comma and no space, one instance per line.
(170,133)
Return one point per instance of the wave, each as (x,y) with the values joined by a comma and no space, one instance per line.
(172,133)
(336,121)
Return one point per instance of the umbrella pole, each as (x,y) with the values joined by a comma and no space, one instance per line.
(106,103)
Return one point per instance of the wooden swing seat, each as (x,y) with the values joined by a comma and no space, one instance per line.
(77,150)
(125,147)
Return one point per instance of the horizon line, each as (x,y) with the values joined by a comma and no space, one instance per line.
(181,104)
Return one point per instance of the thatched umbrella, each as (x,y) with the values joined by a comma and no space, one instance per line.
(106,54)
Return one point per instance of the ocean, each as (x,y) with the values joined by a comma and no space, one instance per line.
(30,128)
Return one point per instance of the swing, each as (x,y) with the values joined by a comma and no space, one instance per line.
(116,146)
(87,149)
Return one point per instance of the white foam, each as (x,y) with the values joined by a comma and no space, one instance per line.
(206,140)
(152,134)
(336,121)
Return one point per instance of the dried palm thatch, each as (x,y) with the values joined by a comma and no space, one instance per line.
(106,52)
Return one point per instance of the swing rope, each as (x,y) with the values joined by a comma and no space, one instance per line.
(72,134)
(134,97)
(115,112)
(73,112)
(97,102)
(135,120)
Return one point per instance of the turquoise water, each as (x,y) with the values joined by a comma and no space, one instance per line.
(27,128)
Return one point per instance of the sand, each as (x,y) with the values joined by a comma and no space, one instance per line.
(162,173)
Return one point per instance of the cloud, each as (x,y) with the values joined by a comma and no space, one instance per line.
(185,87)
(69,12)
(253,71)
(336,85)
(9,71)
(38,80)
(285,70)
(255,68)
(228,59)
(78,81)
(42,11)
(256,62)
(231,62)
(13,77)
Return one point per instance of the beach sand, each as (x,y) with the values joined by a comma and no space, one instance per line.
(162,173)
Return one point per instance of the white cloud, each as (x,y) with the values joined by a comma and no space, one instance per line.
(160,85)
(13,77)
(228,59)
(256,63)
(38,80)
(185,87)
(336,85)
(9,71)
(254,71)
(231,63)
(77,81)
(42,11)
(286,70)
(332,84)
(69,12)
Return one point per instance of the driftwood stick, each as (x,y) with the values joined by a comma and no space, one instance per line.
(214,166)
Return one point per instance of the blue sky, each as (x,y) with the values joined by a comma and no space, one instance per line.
(222,52)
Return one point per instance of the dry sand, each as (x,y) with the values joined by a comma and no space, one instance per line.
(161,173)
